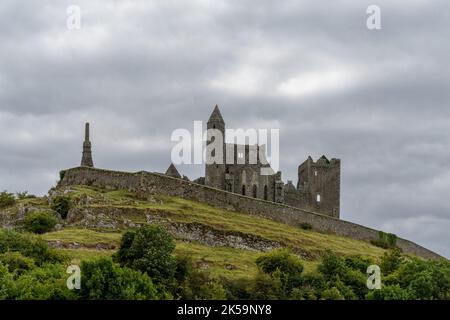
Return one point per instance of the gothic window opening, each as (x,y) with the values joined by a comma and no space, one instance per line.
(318,197)
(243,189)
(255,191)
(265,192)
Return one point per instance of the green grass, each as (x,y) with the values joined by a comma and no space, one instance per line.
(84,254)
(220,261)
(84,237)
(186,211)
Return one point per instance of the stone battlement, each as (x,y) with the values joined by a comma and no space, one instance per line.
(155,183)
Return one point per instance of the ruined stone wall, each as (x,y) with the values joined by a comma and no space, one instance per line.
(152,183)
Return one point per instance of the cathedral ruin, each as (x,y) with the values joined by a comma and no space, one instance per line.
(317,188)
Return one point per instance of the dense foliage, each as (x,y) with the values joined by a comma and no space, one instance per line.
(6,199)
(62,205)
(145,267)
(40,222)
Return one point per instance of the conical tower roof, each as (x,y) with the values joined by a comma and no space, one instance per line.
(173,172)
(216,116)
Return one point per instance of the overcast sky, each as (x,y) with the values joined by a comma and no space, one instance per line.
(137,70)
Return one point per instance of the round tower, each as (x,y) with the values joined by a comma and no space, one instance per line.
(215,172)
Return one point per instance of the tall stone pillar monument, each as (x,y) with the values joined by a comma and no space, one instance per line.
(86,160)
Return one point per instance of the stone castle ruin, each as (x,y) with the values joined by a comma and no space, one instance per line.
(317,190)
(314,201)
(318,187)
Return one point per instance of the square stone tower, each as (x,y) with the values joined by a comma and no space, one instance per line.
(321,183)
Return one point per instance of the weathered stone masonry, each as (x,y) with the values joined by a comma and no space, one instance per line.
(154,183)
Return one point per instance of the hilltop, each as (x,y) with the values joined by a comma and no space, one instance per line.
(226,242)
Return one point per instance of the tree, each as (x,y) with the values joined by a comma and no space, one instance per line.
(288,266)
(391,292)
(40,222)
(149,249)
(62,205)
(103,280)
(332,294)
(6,199)
(391,261)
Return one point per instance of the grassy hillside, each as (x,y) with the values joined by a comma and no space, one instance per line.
(122,209)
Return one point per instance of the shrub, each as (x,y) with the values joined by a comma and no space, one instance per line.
(237,289)
(6,199)
(24,195)
(385,240)
(351,283)
(358,263)
(28,246)
(306,226)
(332,294)
(267,287)
(62,205)
(394,292)
(199,285)
(15,261)
(40,222)
(332,266)
(62,173)
(281,260)
(103,280)
(6,282)
(391,261)
(288,266)
(149,249)
(44,283)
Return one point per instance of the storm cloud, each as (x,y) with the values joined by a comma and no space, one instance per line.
(137,70)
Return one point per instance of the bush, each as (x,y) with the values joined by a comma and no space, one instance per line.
(306,226)
(391,261)
(332,266)
(385,240)
(332,294)
(6,199)
(24,195)
(15,261)
(267,287)
(281,260)
(44,283)
(149,249)
(199,285)
(394,292)
(28,246)
(350,282)
(103,280)
(40,222)
(237,289)
(288,265)
(62,205)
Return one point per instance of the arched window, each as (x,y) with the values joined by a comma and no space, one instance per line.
(255,191)
(265,192)
(243,189)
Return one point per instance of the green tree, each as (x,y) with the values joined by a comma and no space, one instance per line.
(391,292)
(288,266)
(103,280)
(17,262)
(391,261)
(62,205)
(6,199)
(40,222)
(29,246)
(149,249)
(332,294)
